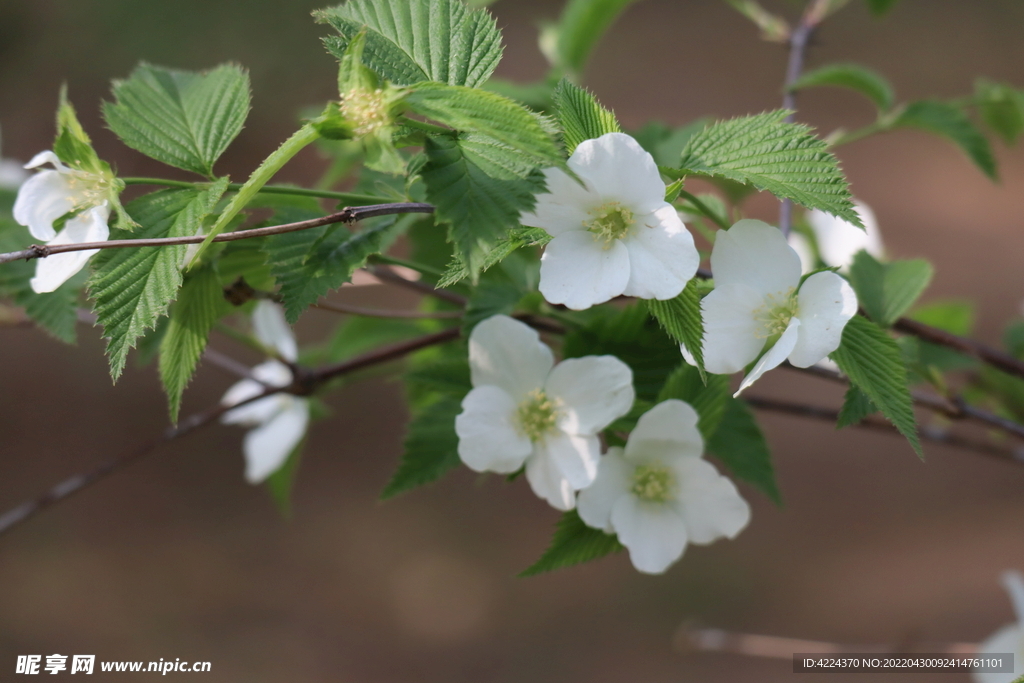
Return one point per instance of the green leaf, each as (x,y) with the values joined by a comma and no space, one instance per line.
(948,121)
(490,297)
(574,543)
(583,23)
(360,334)
(874,364)
(856,407)
(951,315)
(447,375)
(880,7)
(785,159)
(1002,109)
(867,82)
(773,27)
(739,443)
(481,187)
(73,145)
(681,319)
(182,118)
(710,400)
(200,304)
(409,41)
(431,447)
(132,288)
(1013,339)
(281,482)
(581,117)
(887,290)
(487,113)
(516,239)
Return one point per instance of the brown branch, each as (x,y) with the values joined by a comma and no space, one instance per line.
(347,215)
(388,275)
(348,309)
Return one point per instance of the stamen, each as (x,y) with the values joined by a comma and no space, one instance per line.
(537,415)
(653,483)
(610,222)
(366,109)
(776,313)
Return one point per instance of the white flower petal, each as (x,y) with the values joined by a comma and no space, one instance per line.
(267,447)
(617,168)
(839,241)
(1013,581)
(662,258)
(709,502)
(774,356)
(802,247)
(593,392)
(273,373)
(655,534)
(565,206)
(614,478)
(506,353)
(757,255)
(668,429)
(575,456)
(488,438)
(826,303)
(1010,638)
(578,271)
(47,157)
(53,271)
(41,200)
(272,329)
(731,330)
(548,483)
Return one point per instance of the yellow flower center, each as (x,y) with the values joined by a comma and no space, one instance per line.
(89,189)
(537,415)
(776,313)
(367,110)
(610,222)
(653,483)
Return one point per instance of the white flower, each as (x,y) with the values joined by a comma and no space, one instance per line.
(1010,638)
(279,422)
(614,235)
(12,175)
(658,493)
(50,194)
(758,299)
(838,241)
(525,410)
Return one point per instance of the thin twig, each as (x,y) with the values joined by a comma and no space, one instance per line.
(388,275)
(349,309)
(347,215)
(970,347)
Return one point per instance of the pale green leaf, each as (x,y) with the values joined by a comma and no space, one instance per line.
(200,304)
(739,443)
(573,543)
(874,364)
(948,121)
(773,27)
(431,447)
(1002,109)
(785,159)
(887,290)
(952,315)
(855,77)
(182,118)
(582,25)
(132,288)
(681,318)
(409,41)
(581,117)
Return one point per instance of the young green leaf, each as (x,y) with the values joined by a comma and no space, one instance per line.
(516,239)
(681,319)
(409,41)
(182,118)
(874,364)
(770,154)
(200,304)
(951,315)
(583,23)
(573,543)
(948,121)
(132,288)
(739,443)
(431,447)
(581,117)
(869,83)
(710,400)
(856,406)
(480,187)
(479,111)
(887,290)
(1002,109)
(773,27)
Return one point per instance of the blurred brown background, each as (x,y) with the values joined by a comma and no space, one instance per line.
(179,558)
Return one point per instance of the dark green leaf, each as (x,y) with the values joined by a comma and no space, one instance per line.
(710,400)
(874,364)
(431,447)
(887,290)
(574,543)
(856,406)
(581,117)
(739,443)
(516,239)
(853,76)
(182,118)
(490,297)
(1013,338)
(681,318)
(948,121)
(880,7)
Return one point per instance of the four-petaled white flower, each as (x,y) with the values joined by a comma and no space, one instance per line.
(759,300)
(279,422)
(658,494)
(613,235)
(838,240)
(524,409)
(50,194)
(1010,638)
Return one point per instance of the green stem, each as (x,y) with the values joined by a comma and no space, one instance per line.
(703,208)
(854,135)
(353,198)
(270,166)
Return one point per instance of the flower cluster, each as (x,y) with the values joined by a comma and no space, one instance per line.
(657,493)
